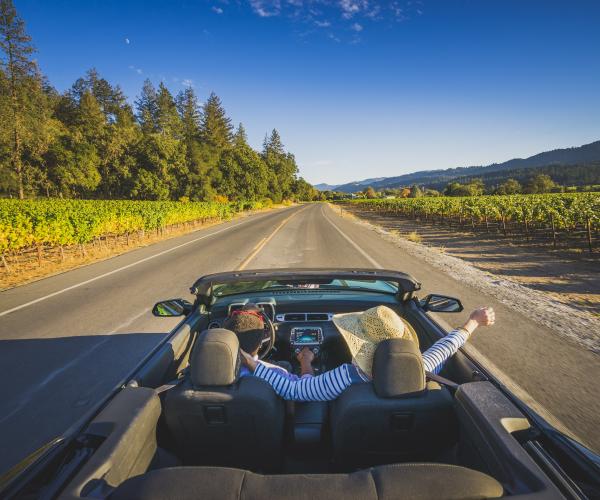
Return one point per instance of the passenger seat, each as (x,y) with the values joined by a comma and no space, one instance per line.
(396,417)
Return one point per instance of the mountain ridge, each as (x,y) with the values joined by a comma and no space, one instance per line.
(562,156)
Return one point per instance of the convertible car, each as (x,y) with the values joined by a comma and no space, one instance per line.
(184,425)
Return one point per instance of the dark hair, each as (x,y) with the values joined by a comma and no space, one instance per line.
(248,327)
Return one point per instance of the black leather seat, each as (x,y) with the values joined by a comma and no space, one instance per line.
(410,481)
(396,417)
(218,418)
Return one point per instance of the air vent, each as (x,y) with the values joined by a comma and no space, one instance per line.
(304,317)
(317,317)
(294,317)
(214,324)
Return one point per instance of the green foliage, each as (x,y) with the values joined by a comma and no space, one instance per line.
(53,222)
(565,210)
(476,187)
(541,183)
(511,186)
(89,143)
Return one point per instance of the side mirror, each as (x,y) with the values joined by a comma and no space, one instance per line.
(441,303)
(172,307)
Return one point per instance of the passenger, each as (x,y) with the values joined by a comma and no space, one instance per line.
(362,332)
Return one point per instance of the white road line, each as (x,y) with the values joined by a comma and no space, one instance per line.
(359,249)
(77,285)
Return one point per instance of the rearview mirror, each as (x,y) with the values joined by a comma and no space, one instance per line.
(441,303)
(172,307)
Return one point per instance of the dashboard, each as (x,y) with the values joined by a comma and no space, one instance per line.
(304,319)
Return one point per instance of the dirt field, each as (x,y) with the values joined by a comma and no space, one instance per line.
(571,277)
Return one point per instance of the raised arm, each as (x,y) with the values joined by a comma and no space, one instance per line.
(435,357)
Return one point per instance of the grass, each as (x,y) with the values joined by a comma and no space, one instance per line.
(414,237)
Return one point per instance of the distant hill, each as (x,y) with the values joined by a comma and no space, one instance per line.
(358,184)
(580,156)
(325,187)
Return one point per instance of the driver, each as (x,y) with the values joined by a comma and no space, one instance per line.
(249,326)
(362,332)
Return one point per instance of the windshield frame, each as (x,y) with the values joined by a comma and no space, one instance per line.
(204,287)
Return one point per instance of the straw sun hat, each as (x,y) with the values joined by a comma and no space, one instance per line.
(362,331)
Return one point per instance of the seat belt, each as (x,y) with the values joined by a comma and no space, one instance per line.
(173,383)
(453,386)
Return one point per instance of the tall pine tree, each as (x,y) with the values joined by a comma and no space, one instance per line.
(147,108)
(22,80)
(215,126)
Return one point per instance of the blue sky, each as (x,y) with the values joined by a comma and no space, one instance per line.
(357,88)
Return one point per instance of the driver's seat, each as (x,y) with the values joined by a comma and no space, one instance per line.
(218,418)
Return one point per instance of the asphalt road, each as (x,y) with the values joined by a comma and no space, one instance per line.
(66,340)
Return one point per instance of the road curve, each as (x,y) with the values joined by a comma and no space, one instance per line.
(69,338)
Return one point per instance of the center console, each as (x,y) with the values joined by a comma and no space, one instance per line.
(306,336)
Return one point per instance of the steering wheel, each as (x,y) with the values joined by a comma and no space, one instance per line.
(268,340)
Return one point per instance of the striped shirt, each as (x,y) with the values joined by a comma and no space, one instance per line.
(331,384)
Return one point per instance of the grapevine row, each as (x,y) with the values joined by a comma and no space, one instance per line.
(567,212)
(57,223)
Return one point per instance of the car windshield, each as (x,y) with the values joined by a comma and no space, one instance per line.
(380,286)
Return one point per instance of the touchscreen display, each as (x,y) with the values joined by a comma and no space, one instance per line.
(306,336)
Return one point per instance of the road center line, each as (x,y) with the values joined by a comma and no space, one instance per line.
(360,250)
(114,271)
(264,241)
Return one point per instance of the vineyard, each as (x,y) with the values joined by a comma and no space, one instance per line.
(39,226)
(569,218)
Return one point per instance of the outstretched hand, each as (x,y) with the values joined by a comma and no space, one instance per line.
(484,316)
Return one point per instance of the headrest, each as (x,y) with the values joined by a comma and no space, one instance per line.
(398,368)
(215,358)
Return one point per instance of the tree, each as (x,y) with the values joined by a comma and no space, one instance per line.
(510,186)
(415,192)
(22,80)
(541,183)
(475,187)
(110,99)
(240,137)
(245,175)
(215,126)
(168,121)
(370,193)
(282,166)
(147,108)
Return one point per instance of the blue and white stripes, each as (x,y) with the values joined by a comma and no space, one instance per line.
(329,385)
(435,357)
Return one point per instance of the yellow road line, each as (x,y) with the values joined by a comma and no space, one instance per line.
(266,240)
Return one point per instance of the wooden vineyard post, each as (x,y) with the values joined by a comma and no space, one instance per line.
(39,255)
(504,225)
(5,264)
(553,230)
(588,225)
(62,253)
(487,225)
